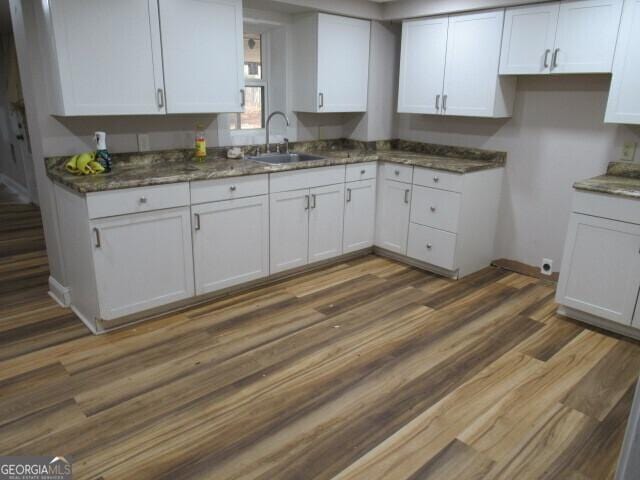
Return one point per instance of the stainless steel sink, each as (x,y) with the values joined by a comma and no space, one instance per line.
(281,158)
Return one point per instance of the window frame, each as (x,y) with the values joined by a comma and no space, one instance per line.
(249,82)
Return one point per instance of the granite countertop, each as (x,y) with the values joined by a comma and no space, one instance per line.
(622,179)
(157,168)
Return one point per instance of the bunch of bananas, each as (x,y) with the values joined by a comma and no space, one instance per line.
(84,164)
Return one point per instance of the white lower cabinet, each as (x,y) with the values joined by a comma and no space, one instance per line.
(601,268)
(142,261)
(392,217)
(359,215)
(230,242)
(289,231)
(326,222)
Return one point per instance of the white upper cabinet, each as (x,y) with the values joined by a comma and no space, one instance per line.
(528,38)
(107,57)
(624,97)
(203,55)
(449,66)
(472,86)
(424,49)
(331,59)
(113,57)
(572,36)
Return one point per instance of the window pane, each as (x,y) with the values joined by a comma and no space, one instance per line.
(253,116)
(252,56)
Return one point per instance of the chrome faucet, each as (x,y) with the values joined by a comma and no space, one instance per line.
(286,119)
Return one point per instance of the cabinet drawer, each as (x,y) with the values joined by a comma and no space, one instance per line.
(435,208)
(361,171)
(437,179)
(134,200)
(400,173)
(432,246)
(607,206)
(306,178)
(229,188)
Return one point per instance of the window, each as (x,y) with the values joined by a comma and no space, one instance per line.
(255,86)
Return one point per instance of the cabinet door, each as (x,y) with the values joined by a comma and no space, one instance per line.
(289,230)
(586,38)
(230,242)
(203,55)
(624,97)
(109,57)
(601,268)
(142,261)
(528,39)
(473,55)
(422,63)
(326,218)
(343,63)
(392,222)
(359,215)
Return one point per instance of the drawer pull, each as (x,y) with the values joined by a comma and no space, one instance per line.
(98,241)
(348,194)
(232,188)
(143,199)
(429,246)
(397,172)
(436,179)
(433,209)
(406,196)
(362,172)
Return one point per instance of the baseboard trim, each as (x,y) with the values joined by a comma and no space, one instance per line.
(59,293)
(18,189)
(86,321)
(598,322)
(524,269)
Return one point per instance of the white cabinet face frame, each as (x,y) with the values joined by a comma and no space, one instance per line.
(473,57)
(601,268)
(528,39)
(204,64)
(343,63)
(586,36)
(142,261)
(230,242)
(289,229)
(326,216)
(109,57)
(422,65)
(359,215)
(623,105)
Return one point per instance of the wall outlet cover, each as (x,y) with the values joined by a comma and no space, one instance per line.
(629,151)
(143,142)
(546,267)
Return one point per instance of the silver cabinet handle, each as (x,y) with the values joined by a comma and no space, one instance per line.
(554,59)
(429,246)
(313,200)
(306,202)
(406,196)
(197,217)
(436,179)
(232,188)
(444,102)
(433,209)
(321,105)
(143,199)
(98,243)
(437,102)
(160,94)
(546,57)
(242,98)
(348,194)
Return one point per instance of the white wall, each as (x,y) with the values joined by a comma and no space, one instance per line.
(556,136)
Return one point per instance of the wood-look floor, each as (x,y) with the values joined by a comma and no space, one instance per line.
(365,370)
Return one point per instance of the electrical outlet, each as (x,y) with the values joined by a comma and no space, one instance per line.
(546,267)
(629,151)
(143,142)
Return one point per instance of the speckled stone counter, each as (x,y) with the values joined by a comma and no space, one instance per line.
(622,179)
(173,166)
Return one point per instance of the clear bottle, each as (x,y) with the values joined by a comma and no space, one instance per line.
(201,143)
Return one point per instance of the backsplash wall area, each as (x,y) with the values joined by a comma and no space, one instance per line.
(556,136)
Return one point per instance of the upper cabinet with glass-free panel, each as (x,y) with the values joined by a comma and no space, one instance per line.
(572,36)
(132,57)
(331,63)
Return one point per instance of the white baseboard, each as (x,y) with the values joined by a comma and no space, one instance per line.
(18,189)
(86,321)
(614,327)
(59,293)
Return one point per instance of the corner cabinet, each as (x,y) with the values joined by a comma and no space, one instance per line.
(331,55)
(139,58)
(600,275)
(623,105)
(572,36)
(449,66)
